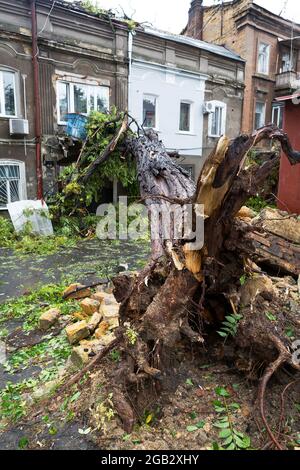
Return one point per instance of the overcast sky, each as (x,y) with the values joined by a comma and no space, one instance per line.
(171,15)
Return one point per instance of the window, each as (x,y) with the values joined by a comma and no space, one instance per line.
(263,58)
(12,182)
(7,94)
(217,119)
(185,117)
(277,115)
(260,111)
(286,65)
(80,98)
(149,111)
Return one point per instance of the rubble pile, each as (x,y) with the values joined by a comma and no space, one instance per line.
(92,327)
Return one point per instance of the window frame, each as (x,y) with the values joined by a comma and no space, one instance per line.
(190,103)
(268,49)
(22,180)
(156,128)
(223,106)
(264,120)
(2,95)
(71,97)
(280,108)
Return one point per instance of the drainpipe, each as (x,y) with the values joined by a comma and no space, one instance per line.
(37,101)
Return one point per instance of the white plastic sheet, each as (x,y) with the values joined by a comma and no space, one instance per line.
(33,214)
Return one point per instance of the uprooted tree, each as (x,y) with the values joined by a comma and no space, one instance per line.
(183,294)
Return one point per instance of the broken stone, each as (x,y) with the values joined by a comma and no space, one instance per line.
(258,285)
(106,339)
(113,323)
(47,319)
(3,357)
(77,331)
(90,306)
(98,296)
(80,356)
(80,315)
(246,213)
(102,329)
(108,299)
(109,311)
(71,293)
(279,223)
(94,321)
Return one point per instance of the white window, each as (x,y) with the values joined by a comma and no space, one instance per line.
(263,58)
(260,115)
(217,119)
(12,182)
(277,115)
(185,117)
(7,94)
(150,111)
(80,98)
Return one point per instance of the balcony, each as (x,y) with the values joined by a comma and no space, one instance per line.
(287,81)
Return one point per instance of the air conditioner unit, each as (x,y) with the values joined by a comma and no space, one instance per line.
(208,108)
(18,127)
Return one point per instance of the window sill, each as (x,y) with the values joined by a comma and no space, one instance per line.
(215,136)
(9,117)
(186,133)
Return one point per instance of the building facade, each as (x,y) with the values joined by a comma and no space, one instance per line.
(270,45)
(260,37)
(57,58)
(82,65)
(189,91)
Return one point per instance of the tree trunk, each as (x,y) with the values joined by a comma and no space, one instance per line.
(180,287)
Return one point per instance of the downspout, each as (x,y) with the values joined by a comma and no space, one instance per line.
(130,47)
(37,101)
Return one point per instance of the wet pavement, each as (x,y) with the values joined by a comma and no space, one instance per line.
(89,261)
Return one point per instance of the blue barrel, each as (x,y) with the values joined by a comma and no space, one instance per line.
(76,125)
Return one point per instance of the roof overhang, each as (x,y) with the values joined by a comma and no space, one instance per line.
(287,42)
(288,97)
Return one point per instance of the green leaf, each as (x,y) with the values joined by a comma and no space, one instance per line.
(228,440)
(23,443)
(234,406)
(230,319)
(189,382)
(75,396)
(242,443)
(200,424)
(221,425)
(222,392)
(270,316)
(225,433)
(231,446)
(192,428)
(221,333)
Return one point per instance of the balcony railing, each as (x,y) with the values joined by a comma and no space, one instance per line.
(288,80)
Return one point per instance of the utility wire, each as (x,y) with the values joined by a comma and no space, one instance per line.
(48,16)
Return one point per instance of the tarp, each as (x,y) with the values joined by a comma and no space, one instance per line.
(31,214)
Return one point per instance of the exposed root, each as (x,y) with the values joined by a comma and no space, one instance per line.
(270,370)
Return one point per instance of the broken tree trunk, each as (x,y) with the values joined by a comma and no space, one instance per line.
(165,307)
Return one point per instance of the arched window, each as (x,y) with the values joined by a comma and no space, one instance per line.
(12,182)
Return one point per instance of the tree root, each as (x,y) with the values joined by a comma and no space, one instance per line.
(283,357)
